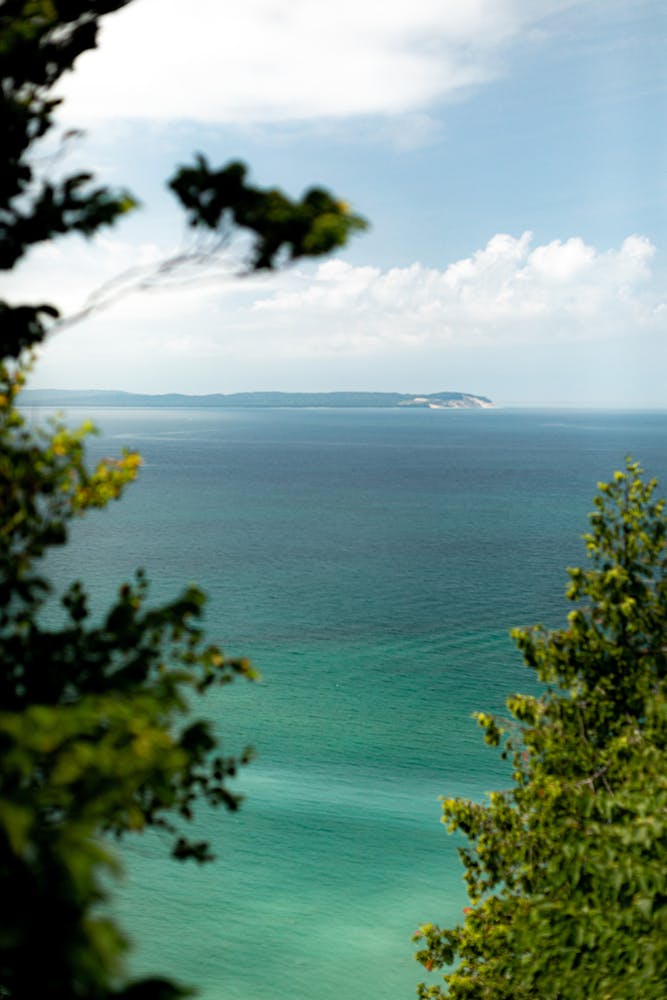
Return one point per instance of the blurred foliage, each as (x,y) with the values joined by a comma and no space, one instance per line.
(99,734)
(97,737)
(567,871)
(282,228)
(39,41)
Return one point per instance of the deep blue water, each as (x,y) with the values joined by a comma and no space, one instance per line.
(371,563)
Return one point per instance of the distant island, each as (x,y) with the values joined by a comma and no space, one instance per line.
(111,397)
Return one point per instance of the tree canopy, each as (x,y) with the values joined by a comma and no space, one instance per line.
(567,870)
(99,728)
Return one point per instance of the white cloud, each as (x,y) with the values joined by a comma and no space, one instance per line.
(248,61)
(67,271)
(509,298)
(507,292)
(123,276)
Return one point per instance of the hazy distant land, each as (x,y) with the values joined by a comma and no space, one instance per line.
(111,397)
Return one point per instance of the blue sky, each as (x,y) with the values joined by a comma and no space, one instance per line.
(510,157)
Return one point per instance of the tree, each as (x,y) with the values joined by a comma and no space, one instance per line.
(567,870)
(99,734)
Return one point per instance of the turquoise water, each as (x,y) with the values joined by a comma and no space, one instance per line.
(371,563)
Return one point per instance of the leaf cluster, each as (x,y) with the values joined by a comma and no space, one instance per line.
(567,869)
(281,227)
(99,731)
(39,41)
(96,738)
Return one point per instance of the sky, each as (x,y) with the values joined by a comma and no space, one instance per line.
(510,156)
